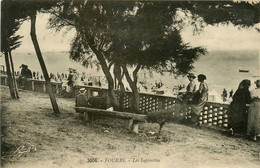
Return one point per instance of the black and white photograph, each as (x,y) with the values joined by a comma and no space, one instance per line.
(130,84)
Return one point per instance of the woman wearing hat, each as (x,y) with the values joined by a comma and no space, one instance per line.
(200,98)
(183,100)
(253,126)
(191,88)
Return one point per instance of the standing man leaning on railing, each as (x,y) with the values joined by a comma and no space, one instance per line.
(25,74)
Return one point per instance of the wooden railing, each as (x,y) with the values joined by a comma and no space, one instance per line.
(212,114)
(34,85)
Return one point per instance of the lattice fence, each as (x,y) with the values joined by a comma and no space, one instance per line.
(148,103)
(33,84)
(212,114)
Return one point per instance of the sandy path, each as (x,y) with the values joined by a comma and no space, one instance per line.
(65,141)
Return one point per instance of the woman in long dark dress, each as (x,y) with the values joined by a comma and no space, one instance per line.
(238,109)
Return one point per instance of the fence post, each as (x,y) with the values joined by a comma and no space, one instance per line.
(44,87)
(160,103)
(6,81)
(88,92)
(32,85)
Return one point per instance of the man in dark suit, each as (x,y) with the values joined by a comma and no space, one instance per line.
(25,74)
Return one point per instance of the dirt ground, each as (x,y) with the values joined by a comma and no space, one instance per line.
(32,136)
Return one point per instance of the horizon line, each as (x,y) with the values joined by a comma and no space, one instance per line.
(68,51)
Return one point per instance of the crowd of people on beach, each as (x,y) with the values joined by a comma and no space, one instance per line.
(225,96)
(69,82)
(152,86)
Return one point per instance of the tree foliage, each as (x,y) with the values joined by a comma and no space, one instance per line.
(144,34)
(9,27)
(241,14)
(22,10)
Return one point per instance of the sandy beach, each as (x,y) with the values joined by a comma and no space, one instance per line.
(32,136)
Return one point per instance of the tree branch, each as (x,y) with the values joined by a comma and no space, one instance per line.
(110,65)
(121,76)
(127,75)
(135,73)
(102,44)
(64,19)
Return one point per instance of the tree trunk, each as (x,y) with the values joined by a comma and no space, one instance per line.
(136,98)
(9,74)
(119,76)
(115,81)
(112,100)
(14,80)
(133,85)
(43,67)
(111,92)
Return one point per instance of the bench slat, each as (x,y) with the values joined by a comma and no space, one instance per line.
(137,117)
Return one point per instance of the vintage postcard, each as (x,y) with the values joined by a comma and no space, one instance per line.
(132,84)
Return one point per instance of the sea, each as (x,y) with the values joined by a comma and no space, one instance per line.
(220,67)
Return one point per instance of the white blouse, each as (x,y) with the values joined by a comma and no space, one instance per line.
(255,93)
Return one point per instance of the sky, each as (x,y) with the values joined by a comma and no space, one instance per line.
(49,40)
(224,38)
(212,37)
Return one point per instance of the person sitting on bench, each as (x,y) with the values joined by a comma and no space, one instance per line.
(183,101)
(98,100)
(81,99)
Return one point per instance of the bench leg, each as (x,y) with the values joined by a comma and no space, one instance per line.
(131,125)
(135,129)
(86,117)
(92,118)
(80,116)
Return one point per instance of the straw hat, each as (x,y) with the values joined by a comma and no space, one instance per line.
(23,65)
(82,89)
(191,75)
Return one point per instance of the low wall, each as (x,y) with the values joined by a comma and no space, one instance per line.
(212,114)
(34,85)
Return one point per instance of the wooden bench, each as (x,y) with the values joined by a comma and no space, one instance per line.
(134,119)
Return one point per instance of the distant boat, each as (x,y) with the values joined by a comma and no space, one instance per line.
(242,70)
